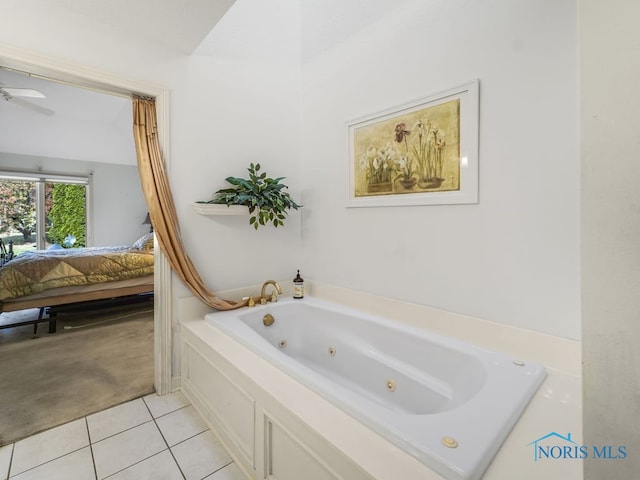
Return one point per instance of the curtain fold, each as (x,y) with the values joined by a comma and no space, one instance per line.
(157,193)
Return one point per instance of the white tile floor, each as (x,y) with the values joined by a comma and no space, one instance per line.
(159,438)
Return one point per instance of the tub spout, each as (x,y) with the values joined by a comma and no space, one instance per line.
(274,295)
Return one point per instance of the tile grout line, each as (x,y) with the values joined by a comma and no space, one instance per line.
(58,457)
(216,471)
(165,440)
(207,429)
(136,426)
(189,438)
(131,428)
(132,465)
(93,460)
(186,439)
(168,413)
(139,424)
(49,461)
(90,445)
(122,431)
(13,449)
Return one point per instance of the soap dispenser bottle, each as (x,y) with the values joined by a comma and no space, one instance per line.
(298,286)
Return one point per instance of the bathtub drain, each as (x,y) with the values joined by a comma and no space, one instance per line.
(332,351)
(282,343)
(391,385)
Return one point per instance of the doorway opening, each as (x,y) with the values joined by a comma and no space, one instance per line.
(79,76)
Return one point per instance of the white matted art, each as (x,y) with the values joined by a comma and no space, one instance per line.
(421,153)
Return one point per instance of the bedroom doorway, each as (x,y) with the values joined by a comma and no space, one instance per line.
(84,77)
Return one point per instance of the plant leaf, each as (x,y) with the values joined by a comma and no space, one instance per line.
(265,197)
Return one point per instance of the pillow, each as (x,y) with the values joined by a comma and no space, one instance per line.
(144,243)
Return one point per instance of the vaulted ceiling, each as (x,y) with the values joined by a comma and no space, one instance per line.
(179,25)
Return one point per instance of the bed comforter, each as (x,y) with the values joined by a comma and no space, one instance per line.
(40,270)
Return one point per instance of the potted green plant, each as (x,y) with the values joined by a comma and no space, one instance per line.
(264,196)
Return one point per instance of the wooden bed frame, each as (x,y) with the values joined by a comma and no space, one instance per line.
(64,301)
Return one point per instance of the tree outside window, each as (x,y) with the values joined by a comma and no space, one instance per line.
(65,214)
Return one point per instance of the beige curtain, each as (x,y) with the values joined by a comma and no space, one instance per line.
(155,186)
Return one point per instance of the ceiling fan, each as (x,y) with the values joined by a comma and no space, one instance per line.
(16,95)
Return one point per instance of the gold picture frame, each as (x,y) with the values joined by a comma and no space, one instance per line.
(421,153)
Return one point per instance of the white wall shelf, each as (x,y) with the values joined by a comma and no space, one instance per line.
(219,209)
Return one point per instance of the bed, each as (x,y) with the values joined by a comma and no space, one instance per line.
(47,279)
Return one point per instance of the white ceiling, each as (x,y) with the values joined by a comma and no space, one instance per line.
(177,24)
(81,125)
(86,125)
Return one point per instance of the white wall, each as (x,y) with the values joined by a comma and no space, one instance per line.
(238,101)
(610,75)
(118,207)
(512,258)
(230,107)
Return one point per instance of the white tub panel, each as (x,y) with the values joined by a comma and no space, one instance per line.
(232,407)
(288,458)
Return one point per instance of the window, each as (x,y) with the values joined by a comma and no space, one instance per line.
(38,211)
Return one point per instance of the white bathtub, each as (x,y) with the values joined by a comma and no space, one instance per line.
(448,403)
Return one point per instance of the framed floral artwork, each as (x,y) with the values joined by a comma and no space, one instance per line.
(420,153)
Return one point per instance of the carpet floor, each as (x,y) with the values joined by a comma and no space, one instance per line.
(96,360)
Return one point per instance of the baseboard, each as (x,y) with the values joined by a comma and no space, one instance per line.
(176,383)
